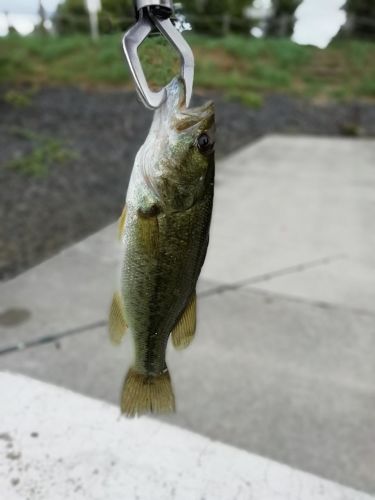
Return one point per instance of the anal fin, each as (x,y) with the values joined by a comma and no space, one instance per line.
(183,332)
(117,322)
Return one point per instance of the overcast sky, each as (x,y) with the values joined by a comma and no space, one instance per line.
(317,20)
(27,6)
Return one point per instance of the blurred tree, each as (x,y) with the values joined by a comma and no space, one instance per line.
(361,17)
(212,17)
(115,15)
(71,17)
(40,28)
(281,22)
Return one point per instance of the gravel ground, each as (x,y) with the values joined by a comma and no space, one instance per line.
(40,215)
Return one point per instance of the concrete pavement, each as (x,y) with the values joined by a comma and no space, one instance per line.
(70,447)
(283,362)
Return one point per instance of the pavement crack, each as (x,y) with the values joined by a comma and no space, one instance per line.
(298,268)
(48,339)
(51,338)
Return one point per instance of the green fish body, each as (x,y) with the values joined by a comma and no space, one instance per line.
(164,231)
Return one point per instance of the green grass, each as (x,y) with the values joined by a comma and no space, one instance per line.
(20,97)
(239,67)
(45,152)
(367,86)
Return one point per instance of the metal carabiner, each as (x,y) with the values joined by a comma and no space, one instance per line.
(151,15)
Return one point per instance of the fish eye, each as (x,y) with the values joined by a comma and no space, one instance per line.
(204,143)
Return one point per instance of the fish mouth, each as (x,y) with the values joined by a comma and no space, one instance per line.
(174,111)
(191,117)
(186,118)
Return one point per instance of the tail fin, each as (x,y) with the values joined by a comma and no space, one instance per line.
(147,394)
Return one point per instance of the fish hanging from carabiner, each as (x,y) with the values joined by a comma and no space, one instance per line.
(164,227)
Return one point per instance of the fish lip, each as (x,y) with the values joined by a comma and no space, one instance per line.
(182,93)
(175,96)
(175,113)
(188,118)
(204,109)
(208,106)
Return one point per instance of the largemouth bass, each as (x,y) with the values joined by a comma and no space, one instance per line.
(164,231)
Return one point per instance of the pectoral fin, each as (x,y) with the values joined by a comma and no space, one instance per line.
(121,223)
(148,233)
(117,322)
(183,332)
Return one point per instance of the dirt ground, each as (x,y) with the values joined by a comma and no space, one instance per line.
(103,130)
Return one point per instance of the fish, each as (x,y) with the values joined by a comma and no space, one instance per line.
(164,235)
